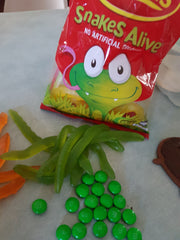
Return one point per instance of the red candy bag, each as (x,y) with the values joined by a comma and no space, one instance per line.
(108,58)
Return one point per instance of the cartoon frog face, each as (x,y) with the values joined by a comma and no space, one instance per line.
(104,89)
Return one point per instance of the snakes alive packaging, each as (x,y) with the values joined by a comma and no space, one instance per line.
(108,58)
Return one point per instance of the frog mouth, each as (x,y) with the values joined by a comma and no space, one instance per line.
(111,98)
(90,94)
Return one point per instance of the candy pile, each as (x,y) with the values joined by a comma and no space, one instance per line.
(99,207)
(68,151)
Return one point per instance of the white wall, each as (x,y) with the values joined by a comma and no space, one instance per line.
(29,5)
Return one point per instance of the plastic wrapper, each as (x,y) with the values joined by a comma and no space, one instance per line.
(108,58)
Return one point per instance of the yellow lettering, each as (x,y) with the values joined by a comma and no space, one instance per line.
(88,16)
(111,26)
(144,39)
(132,36)
(95,20)
(79,19)
(148,44)
(120,31)
(156,47)
(103,22)
(140,38)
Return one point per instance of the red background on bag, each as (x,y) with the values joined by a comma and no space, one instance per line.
(144,64)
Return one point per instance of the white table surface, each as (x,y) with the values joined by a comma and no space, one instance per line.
(28,42)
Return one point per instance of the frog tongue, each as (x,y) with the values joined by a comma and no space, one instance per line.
(64,49)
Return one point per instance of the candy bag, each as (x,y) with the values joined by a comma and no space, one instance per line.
(108,58)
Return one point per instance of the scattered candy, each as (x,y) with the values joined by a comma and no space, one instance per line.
(68,152)
(98,189)
(63,232)
(134,234)
(119,201)
(72,204)
(39,206)
(88,179)
(100,213)
(114,187)
(82,190)
(106,200)
(101,176)
(119,231)
(91,201)
(114,215)
(79,231)
(85,215)
(100,229)
(129,216)
(100,206)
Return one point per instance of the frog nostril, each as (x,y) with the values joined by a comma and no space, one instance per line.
(115,90)
(89,83)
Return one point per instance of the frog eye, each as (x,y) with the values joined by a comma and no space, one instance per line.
(119,69)
(94,61)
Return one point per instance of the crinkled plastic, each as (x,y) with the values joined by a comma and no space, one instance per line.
(108,58)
